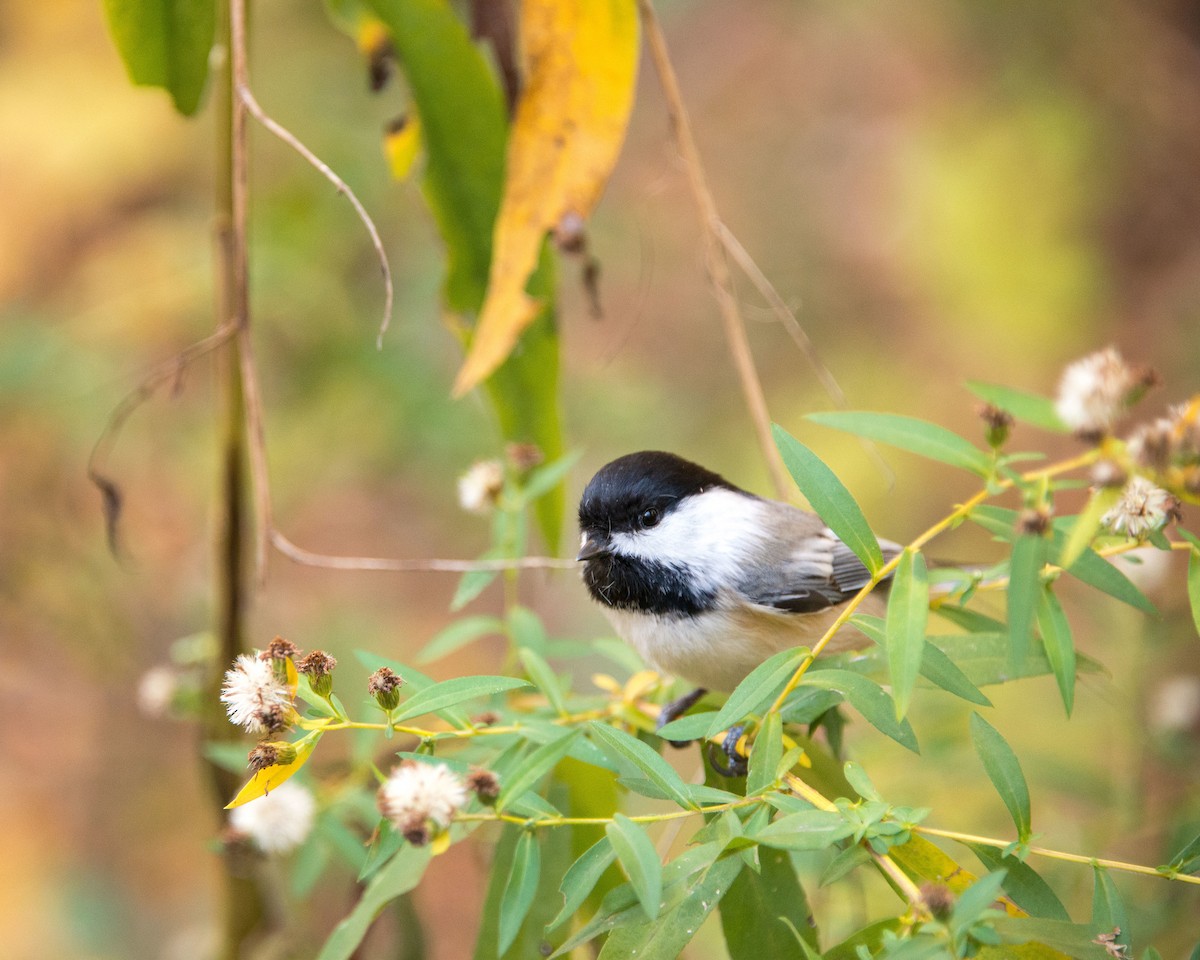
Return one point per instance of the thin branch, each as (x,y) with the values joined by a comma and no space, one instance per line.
(167,371)
(311,559)
(714,250)
(256,443)
(280,131)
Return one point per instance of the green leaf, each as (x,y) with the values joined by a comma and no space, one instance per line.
(870,937)
(977,898)
(1075,940)
(1024,587)
(544,677)
(763,912)
(848,860)
(857,777)
(936,667)
(414,681)
(402,873)
(1027,407)
(1108,907)
(474,582)
(869,699)
(805,830)
(581,879)
(448,693)
(459,634)
(465,129)
(1023,885)
(165,43)
(665,938)
(765,757)
(643,757)
(1087,524)
(519,891)
(1187,859)
(694,726)
(829,498)
(907,613)
(758,689)
(636,853)
(533,768)
(908,433)
(1004,771)
(1060,648)
(1193,586)
(543,479)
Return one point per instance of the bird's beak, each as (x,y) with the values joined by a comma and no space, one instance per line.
(592,545)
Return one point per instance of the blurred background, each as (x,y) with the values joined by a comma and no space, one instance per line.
(943,191)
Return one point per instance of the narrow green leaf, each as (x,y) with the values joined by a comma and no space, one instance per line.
(1187,859)
(533,768)
(869,699)
(1059,646)
(1193,586)
(694,726)
(447,693)
(474,582)
(1004,770)
(636,853)
(1087,524)
(857,777)
(519,891)
(165,43)
(907,613)
(543,479)
(763,913)
(829,498)
(757,690)
(459,634)
(977,898)
(936,667)
(871,937)
(1023,885)
(847,861)
(1076,940)
(1024,588)
(666,937)
(643,757)
(1027,407)
(908,433)
(805,830)
(1108,907)
(544,678)
(765,757)
(581,879)
(402,873)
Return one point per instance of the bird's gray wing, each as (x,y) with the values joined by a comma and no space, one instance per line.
(805,568)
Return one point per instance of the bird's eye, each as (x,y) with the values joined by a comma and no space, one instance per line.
(649,518)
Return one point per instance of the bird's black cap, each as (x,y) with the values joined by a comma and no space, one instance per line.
(624,488)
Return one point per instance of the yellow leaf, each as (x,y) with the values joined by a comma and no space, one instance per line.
(402,144)
(269,778)
(580,73)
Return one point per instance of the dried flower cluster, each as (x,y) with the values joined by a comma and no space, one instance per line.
(419,798)
(255,697)
(1142,509)
(1096,391)
(1170,446)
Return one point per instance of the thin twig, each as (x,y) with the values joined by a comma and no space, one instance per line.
(260,479)
(280,131)
(714,250)
(311,559)
(168,370)
(787,317)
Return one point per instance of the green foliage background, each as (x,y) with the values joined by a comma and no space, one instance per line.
(947,192)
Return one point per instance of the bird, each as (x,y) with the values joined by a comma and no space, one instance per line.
(707,580)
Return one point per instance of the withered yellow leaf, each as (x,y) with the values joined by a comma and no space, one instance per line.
(580,59)
(269,778)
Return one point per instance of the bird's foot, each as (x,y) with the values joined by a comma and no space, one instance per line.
(737,763)
(676,709)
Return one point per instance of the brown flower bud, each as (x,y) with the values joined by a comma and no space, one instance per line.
(318,666)
(938,898)
(270,754)
(484,784)
(997,424)
(1034,520)
(280,649)
(384,685)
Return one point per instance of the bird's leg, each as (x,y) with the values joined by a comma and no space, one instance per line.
(737,763)
(676,709)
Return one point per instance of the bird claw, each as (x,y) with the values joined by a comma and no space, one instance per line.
(737,763)
(676,709)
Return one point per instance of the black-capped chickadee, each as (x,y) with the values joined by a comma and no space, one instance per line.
(705,580)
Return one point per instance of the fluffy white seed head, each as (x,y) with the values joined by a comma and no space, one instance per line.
(156,691)
(254,697)
(1143,508)
(480,487)
(1094,391)
(279,821)
(419,792)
